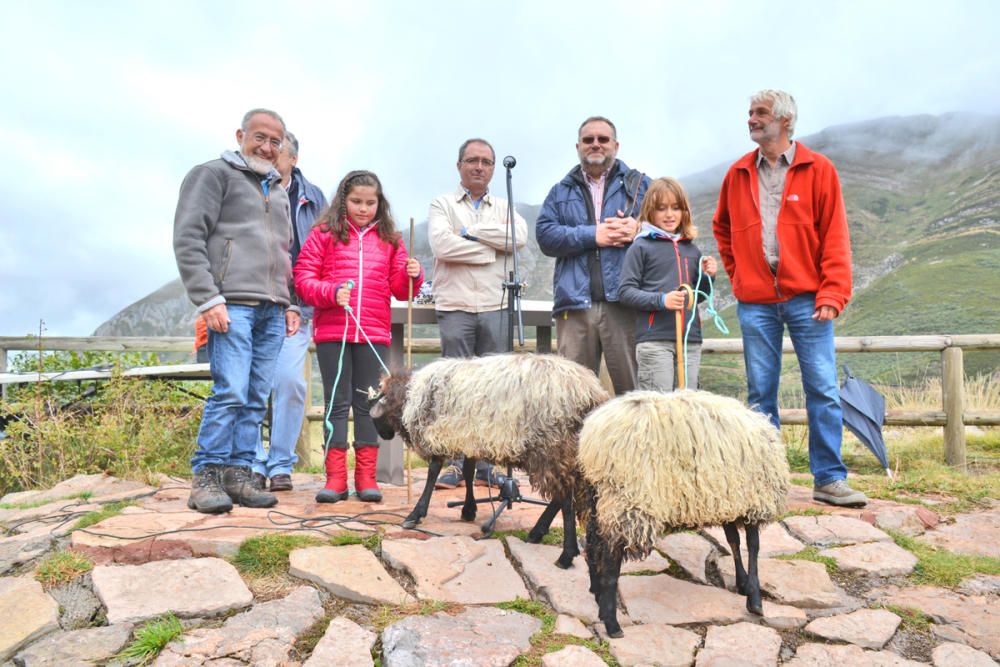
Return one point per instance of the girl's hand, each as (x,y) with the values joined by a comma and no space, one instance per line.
(709,265)
(344,296)
(675,300)
(412,267)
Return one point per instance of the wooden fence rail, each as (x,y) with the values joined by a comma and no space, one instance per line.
(952,415)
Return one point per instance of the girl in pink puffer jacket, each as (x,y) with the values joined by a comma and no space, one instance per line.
(353,257)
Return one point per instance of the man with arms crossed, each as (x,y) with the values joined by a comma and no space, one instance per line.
(782,234)
(470,237)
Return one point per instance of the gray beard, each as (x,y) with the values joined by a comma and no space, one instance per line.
(258,165)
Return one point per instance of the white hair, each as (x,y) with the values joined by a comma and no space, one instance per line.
(782,105)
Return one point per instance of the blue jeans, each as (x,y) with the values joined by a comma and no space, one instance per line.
(763,326)
(288,407)
(242,362)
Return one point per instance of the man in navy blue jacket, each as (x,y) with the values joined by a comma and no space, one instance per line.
(288,393)
(587,222)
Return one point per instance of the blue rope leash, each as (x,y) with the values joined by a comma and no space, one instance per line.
(709,310)
(340,368)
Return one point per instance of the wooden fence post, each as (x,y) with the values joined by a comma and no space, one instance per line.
(303,446)
(953,396)
(3,369)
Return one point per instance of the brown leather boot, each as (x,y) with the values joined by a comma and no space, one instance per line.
(365,461)
(336,475)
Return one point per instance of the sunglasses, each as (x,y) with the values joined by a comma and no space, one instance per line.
(602,139)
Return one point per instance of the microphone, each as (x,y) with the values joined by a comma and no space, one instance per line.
(509,162)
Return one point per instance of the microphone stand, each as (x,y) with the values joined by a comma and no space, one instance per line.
(509,491)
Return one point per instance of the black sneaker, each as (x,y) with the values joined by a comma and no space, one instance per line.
(207,495)
(282,482)
(449,478)
(488,476)
(259,481)
(238,483)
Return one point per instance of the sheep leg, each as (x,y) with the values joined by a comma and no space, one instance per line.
(469,473)
(754,603)
(420,509)
(607,605)
(544,522)
(733,537)
(570,547)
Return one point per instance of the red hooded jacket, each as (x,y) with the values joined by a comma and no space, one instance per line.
(814,247)
(378,270)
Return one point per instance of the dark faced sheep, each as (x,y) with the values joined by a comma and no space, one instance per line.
(653,463)
(522,410)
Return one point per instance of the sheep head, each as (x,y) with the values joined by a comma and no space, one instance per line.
(386,405)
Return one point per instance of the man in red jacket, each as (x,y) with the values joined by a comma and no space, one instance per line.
(782,234)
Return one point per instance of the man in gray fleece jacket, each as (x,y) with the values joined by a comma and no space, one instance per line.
(231,239)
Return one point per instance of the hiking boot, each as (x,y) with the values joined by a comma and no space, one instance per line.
(335,489)
(282,482)
(259,481)
(207,495)
(365,464)
(449,478)
(238,483)
(840,494)
(487,475)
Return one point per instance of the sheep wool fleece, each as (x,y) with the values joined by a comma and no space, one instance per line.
(679,460)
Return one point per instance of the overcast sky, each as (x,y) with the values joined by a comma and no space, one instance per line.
(107,105)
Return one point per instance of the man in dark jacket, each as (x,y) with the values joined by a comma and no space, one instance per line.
(288,392)
(586,223)
(231,238)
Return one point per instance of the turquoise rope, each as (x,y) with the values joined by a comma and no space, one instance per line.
(709,310)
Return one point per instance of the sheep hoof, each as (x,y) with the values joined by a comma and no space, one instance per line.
(755,607)
(468,516)
(535,538)
(410,523)
(565,562)
(615,632)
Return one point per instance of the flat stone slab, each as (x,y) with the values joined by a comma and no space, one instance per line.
(480,636)
(740,644)
(344,644)
(885,559)
(23,547)
(351,572)
(98,486)
(951,654)
(569,625)
(975,534)
(26,613)
(263,635)
(655,644)
(90,646)
(970,620)
(654,562)
(572,656)
(909,520)
(980,584)
(832,530)
(690,551)
(187,588)
(867,628)
(457,569)
(567,591)
(662,599)
(775,540)
(799,583)
(848,655)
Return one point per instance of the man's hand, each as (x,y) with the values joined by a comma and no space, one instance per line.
(292,322)
(616,232)
(825,313)
(217,318)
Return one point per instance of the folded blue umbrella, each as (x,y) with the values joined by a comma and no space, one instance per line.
(864,415)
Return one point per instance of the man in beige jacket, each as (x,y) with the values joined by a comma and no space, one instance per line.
(469,234)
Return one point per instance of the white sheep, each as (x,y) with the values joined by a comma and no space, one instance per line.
(522,410)
(656,462)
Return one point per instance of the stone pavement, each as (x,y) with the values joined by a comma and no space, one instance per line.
(678,606)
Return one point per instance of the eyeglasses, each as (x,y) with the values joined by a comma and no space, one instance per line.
(473,161)
(259,138)
(601,139)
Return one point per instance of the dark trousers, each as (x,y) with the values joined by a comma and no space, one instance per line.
(361,370)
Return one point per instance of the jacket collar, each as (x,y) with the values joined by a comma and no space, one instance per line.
(461,193)
(576,176)
(802,156)
(236,160)
(651,231)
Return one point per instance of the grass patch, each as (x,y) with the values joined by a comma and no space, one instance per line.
(106,512)
(152,637)
(267,555)
(372,542)
(811,554)
(807,511)
(61,568)
(553,538)
(546,640)
(32,504)
(940,567)
(913,619)
(386,615)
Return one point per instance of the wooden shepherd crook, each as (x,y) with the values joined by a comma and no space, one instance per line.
(409,363)
(679,326)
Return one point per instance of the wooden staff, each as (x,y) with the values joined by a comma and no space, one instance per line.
(409,365)
(679,327)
